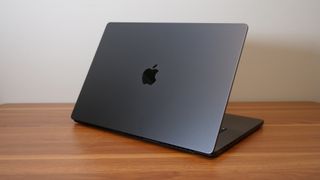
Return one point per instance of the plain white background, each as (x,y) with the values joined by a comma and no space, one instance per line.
(46,47)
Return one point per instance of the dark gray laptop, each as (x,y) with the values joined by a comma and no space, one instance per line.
(167,83)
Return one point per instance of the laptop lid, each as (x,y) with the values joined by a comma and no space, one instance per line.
(166,82)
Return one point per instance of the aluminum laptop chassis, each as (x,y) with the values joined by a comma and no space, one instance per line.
(168,83)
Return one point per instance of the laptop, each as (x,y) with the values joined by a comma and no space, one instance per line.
(168,83)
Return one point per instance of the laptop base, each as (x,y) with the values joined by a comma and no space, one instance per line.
(233,129)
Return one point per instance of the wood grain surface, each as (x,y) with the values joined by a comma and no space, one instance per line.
(40,141)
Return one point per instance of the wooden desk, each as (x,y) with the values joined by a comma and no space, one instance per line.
(40,141)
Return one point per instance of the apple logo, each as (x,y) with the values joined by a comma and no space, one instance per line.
(149,75)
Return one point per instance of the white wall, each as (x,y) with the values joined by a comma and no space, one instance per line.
(46,47)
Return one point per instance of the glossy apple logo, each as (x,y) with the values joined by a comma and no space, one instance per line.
(149,75)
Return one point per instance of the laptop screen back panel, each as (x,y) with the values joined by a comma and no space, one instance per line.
(183,105)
